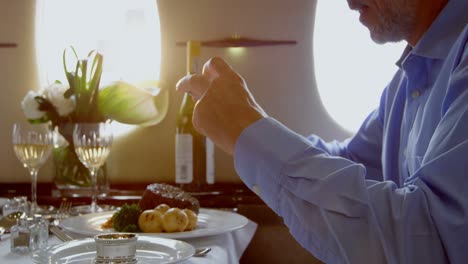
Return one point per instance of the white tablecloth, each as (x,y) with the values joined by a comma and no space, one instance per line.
(225,248)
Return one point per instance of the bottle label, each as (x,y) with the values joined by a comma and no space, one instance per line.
(184,158)
(210,179)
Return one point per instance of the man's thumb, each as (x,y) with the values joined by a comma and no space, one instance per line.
(217,67)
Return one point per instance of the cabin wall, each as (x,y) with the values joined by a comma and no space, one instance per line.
(281,78)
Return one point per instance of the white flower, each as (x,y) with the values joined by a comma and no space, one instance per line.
(55,94)
(31,107)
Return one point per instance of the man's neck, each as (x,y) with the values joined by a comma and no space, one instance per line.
(427,14)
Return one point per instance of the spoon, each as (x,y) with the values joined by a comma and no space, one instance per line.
(201,252)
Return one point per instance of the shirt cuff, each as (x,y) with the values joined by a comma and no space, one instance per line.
(261,151)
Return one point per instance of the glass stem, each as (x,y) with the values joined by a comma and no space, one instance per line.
(33,209)
(94,207)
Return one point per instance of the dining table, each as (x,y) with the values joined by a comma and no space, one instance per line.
(226,247)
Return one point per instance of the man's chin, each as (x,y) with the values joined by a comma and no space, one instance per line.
(384,37)
(378,39)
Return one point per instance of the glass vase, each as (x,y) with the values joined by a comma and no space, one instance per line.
(72,178)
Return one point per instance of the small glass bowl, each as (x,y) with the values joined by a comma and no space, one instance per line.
(116,248)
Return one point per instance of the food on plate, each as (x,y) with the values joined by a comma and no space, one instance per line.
(192,219)
(160,193)
(108,224)
(162,208)
(130,218)
(150,221)
(174,220)
(126,219)
(171,220)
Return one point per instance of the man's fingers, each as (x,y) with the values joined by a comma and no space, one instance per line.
(196,85)
(217,67)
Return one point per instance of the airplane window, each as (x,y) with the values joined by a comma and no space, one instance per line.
(351,70)
(127,33)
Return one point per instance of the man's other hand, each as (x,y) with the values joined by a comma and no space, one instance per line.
(224,105)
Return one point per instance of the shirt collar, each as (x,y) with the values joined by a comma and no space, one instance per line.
(403,56)
(439,38)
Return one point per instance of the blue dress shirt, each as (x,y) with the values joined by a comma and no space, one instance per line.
(396,192)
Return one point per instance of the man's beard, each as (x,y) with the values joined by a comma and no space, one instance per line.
(396,21)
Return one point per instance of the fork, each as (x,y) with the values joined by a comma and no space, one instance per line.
(63,212)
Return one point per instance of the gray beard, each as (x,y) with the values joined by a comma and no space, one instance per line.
(395,23)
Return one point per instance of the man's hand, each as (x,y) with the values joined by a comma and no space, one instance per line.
(224,104)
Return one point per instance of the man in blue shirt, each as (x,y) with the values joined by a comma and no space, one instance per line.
(396,192)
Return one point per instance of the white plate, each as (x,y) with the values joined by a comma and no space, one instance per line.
(210,222)
(149,250)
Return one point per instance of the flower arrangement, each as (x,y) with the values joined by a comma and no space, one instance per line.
(82,100)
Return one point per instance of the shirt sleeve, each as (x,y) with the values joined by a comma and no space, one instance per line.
(341,216)
(318,195)
(365,147)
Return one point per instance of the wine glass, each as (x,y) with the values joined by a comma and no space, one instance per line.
(33,145)
(92,143)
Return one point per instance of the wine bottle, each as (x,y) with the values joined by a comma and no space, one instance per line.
(194,152)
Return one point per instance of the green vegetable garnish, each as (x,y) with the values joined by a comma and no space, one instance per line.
(126,219)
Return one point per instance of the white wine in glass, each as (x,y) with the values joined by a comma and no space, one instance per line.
(32,144)
(92,143)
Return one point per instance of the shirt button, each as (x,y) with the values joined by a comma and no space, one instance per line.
(256,190)
(405,152)
(415,94)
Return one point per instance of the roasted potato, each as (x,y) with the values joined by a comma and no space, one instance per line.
(192,217)
(162,208)
(150,221)
(175,220)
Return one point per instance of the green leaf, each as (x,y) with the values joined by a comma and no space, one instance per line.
(38,121)
(95,78)
(132,104)
(69,74)
(160,95)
